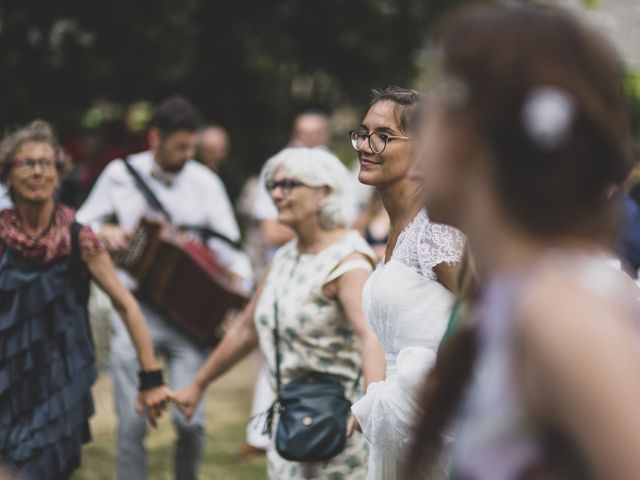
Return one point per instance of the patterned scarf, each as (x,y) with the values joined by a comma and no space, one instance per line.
(52,244)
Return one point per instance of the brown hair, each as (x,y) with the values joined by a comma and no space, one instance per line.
(175,114)
(406,103)
(500,55)
(37,131)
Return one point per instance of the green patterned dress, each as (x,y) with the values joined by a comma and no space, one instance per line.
(315,335)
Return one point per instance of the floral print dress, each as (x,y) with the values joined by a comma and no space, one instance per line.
(315,335)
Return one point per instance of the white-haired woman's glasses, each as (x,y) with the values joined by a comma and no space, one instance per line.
(377,140)
(285,184)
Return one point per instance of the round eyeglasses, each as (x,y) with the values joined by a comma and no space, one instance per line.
(30,164)
(377,140)
(286,184)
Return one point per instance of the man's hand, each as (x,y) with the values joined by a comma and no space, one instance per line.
(115,238)
(153,401)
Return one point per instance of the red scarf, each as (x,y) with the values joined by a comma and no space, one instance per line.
(54,243)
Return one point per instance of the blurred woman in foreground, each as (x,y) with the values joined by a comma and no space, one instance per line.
(524,149)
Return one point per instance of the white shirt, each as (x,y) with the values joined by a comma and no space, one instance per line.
(263,206)
(5,200)
(193,196)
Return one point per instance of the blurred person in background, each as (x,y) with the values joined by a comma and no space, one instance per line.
(212,149)
(263,235)
(633,182)
(5,199)
(47,360)
(525,148)
(313,290)
(310,129)
(373,224)
(192,195)
(628,246)
(407,300)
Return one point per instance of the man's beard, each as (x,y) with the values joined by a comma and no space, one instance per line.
(162,157)
(173,168)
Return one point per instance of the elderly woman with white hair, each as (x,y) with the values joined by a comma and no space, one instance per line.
(308,321)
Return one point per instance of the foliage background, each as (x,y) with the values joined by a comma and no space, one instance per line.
(250,65)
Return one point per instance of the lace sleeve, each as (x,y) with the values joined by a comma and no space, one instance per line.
(388,412)
(424,245)
(438,244)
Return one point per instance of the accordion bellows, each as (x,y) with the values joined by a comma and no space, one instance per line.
(180,277)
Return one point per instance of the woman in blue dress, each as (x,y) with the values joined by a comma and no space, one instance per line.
(47,364)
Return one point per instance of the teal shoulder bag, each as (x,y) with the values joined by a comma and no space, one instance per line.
(312,413)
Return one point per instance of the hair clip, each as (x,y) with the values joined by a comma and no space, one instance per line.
(547,116)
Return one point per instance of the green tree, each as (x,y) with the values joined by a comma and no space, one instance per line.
(249,65)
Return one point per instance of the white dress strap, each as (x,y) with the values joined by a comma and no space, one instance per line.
(347,266)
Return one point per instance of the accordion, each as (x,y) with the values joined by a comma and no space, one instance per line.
(180,277)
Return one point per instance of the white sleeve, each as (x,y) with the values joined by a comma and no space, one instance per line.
(388,412)
(222,220)
(98,207)
(263,206)
(438,243)
(5,199)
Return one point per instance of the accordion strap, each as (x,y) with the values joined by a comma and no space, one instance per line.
(205,232)
(146,191)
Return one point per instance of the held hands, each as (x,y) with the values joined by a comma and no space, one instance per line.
(187,399)
(153,402)
(154,396)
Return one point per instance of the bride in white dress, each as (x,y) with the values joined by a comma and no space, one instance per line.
(405,299)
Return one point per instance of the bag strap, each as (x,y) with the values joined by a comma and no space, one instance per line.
(276,332)
(276,342)
(275,406)
(75,241)
(205,232)
(79,269)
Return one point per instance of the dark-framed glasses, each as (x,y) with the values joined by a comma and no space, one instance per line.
(26,163)
(377,140)
(286,184)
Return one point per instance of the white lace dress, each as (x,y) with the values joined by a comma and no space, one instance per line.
(408,310)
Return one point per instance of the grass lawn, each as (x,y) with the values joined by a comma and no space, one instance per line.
(228,407)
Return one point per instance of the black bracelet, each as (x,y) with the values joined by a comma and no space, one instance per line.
(150,379)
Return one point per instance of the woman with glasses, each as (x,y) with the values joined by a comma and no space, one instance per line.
(408,298)
(47,363)
(312,297)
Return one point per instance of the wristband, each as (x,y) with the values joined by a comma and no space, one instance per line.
(150,379)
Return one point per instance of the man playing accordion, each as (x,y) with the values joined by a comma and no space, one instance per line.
(166,184)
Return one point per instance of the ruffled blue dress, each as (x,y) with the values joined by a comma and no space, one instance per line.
(47,364)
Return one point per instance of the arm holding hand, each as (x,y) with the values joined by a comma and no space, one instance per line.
(104,274)
(238,342)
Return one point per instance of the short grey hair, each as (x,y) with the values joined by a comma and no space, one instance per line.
(37,131)
(317,167)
